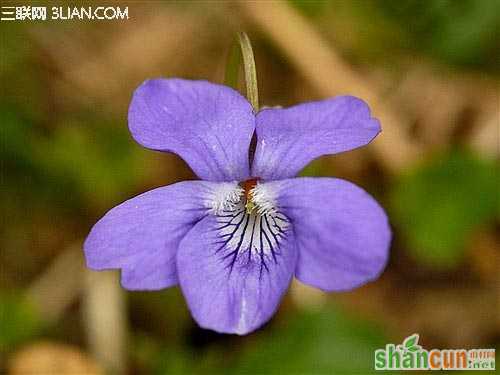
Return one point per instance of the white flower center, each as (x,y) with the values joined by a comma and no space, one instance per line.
(249,220)
(225,197)
(264,199)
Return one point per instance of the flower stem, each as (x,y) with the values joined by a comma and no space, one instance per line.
(232,69)
(231,79)
(250,70)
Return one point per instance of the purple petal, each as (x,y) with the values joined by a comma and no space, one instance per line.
(288,139)
(228,288)
(141,236)
(343,235)
(210,126)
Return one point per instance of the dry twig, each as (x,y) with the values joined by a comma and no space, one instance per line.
(104,312)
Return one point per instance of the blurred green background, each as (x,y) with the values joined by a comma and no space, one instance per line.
(429,70)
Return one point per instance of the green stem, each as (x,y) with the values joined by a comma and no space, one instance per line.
(232,69)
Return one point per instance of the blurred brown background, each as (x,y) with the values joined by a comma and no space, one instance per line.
(428,69)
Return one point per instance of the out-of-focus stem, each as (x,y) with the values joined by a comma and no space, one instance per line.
(59,285)
(104,313)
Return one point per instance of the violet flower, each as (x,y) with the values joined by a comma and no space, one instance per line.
(234,240)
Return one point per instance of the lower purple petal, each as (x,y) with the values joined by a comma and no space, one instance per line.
(141,236)
(343,235)
(233,284)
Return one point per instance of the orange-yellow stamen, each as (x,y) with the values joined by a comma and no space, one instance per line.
(248,186)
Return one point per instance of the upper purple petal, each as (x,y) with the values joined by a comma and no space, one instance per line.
(343,235)
(210,126)
(141,236)
(234,284)
(288,139)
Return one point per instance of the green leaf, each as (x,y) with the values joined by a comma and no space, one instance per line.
(410,341)
(440,204)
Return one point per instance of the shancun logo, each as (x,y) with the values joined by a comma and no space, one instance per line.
(411,356)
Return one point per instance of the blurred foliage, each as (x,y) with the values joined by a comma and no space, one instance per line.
(320,342)
(463,32)
(97,160)
(310,7)
(440,204)
(459,32)
(66,160)
(19,321)
(85,162)
(167,312)
(317,168)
